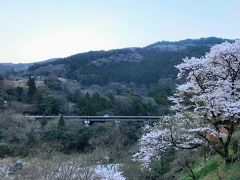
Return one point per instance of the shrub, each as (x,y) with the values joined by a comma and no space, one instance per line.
(70,139)
(28,152)
(4,149)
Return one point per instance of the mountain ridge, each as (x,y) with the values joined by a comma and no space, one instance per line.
(146,65)
(16,67)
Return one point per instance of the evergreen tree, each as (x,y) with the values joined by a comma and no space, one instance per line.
(32,89)
(61,122)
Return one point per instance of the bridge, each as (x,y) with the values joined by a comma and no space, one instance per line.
(89,119)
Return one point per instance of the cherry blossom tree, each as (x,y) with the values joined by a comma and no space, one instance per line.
(206,106)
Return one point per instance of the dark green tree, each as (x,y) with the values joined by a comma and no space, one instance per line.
(5,149)
(92,105)
(32,89)
(61,122)
(48,105)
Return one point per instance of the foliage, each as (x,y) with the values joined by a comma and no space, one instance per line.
(31,139)
(151,63)
(32,89)
(71,139)
(43,122)
(61,122)
(206,105)
(91,105)
(51,105)
(16,93)
(5,149)
(53,83)
(75,166)
(132,170)
(203,169)
(13,131)
(125,86)
(161,92)
(28,152)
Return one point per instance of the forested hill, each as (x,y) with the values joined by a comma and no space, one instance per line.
(145,65)
(11,68)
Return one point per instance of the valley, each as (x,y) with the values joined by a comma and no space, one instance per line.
(86,116)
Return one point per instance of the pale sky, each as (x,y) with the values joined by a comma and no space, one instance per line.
(33,30)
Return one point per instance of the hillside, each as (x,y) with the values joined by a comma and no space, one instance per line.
(133,81)
(16,67)
(10,67)
(214,169)
(145,65)
(125,82)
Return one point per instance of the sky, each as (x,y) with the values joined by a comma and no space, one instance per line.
(32,30)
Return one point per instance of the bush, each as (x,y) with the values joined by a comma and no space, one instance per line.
(28,152)
(132,170)
(70,139)
(5,149)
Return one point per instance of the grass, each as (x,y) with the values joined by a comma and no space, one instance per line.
(215,169)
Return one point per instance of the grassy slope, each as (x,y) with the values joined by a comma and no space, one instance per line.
(215,169)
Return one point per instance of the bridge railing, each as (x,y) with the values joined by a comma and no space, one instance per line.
(101,118)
